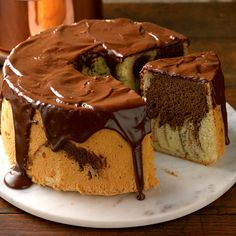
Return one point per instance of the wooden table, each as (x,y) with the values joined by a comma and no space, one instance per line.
(210,26)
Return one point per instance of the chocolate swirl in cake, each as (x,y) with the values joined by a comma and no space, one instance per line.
(40,73)
(204,67)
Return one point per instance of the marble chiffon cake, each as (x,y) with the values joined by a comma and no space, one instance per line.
(70,119)
(186,104)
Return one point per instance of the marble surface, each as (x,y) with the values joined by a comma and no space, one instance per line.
(185,187)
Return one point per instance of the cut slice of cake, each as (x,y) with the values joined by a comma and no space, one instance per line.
(186,102)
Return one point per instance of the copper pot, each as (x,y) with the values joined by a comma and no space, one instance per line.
(21,18)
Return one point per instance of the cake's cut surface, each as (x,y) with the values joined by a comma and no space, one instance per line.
(67,122)
(186,102)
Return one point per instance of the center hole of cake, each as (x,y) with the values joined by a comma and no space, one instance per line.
(127,71)
(92,65)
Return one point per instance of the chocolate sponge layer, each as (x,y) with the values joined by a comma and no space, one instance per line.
(176,99)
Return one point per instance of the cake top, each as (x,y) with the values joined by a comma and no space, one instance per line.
(42,68)
(70,92)
(202,66)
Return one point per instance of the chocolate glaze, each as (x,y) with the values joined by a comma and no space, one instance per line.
(74,106)
(200,67)
(16,178)
(22,114)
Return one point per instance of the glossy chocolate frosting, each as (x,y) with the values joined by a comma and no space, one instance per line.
(41,73)
(198,66)
(202,67)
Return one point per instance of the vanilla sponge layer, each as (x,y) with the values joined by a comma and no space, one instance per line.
(61,172)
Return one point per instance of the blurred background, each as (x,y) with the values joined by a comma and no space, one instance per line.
(169,1)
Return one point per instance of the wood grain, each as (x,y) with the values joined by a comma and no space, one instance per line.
(215,20)
(210,26)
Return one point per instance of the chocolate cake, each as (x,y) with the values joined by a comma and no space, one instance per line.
(186,105)
(67,120)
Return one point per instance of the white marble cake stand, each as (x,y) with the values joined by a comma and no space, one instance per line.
(185,187)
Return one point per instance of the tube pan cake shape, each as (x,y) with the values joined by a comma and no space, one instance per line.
(71,119)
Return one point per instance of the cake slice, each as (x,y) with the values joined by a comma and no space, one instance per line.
(186,102)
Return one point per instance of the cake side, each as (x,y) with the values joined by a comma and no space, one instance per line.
(100,175)
(63,127)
